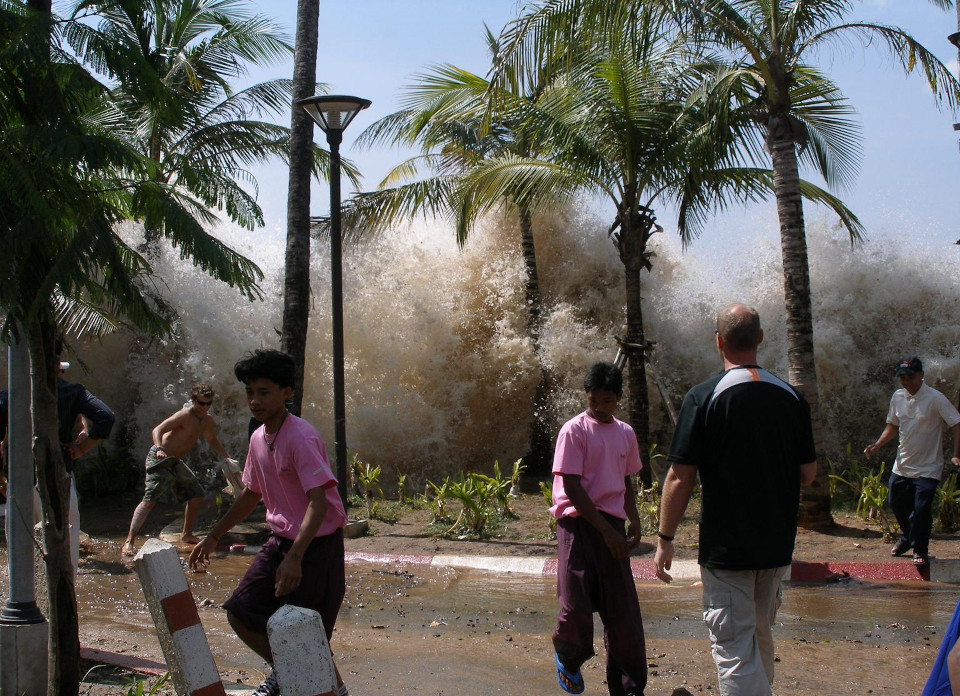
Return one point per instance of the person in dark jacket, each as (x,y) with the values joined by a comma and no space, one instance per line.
(83,420)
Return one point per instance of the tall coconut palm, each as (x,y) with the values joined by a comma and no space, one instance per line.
(296,267)
(447,115)
(770,101)
(782,106)
(632,131)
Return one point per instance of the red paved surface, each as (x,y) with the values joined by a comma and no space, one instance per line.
(807,571)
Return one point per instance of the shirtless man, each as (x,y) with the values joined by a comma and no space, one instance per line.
(172,440)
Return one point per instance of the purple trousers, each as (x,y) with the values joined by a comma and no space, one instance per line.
(590,579)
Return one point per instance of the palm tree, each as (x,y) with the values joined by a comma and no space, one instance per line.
(447,115)
(766,99)
(174,61)
(296,273)
(780,105)
(633,131)
(69,182)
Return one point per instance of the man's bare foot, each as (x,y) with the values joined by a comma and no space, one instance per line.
(128,550)
(189,539)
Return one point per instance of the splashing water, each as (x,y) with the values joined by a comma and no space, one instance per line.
(440,375)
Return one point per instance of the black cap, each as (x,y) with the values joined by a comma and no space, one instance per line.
(909,366)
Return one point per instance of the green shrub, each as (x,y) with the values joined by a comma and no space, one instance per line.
(546,490)
(476,494)
(648,505)
(138,687)
(369,478)
(871,494)
(439,500)
(948,504)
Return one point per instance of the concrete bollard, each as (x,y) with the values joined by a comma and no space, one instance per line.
(301,654)
(174,612)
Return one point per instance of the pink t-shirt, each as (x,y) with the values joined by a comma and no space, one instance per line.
(298,463)
(603,455)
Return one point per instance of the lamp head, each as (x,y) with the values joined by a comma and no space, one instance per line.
(333,113)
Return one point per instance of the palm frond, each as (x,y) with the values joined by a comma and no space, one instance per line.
(901,47)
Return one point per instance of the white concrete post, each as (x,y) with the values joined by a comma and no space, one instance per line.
(301,654)
(174,611)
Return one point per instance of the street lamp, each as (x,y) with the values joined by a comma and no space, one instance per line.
(954,38)
(333,114)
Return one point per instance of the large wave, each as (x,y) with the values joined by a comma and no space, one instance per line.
(440,375)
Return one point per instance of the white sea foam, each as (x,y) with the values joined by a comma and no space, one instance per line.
(440,375)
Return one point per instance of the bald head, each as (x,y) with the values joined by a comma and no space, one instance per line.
(739,327)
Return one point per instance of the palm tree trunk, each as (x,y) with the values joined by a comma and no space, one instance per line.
(639,401)
(296,281)
(63,658)
(538,460)
(815,499)
(54,487)
(636,223)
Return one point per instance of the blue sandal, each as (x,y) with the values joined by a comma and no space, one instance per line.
(575,679)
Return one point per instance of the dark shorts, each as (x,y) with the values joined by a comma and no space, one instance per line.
(321,588)
(169,477)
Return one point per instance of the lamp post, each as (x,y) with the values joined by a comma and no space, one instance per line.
(23,629)
(333,114)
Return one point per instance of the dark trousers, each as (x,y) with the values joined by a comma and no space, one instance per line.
(590,580)
(911,500)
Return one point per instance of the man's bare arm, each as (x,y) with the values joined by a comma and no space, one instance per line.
(238,512)
(588,511)
(808,473)
(955,430)
(630,508)
(290,572)
(210,435)
(677,490)
(889,432)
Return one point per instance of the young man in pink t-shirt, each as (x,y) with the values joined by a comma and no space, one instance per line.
(593,496)
(287,468)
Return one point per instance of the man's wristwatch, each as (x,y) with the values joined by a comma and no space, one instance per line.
(665,537)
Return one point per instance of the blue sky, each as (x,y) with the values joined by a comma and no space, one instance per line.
(907,185)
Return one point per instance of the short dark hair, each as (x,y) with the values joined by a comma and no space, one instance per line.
(266,364)
(201,389)
(739,327)
(604,376)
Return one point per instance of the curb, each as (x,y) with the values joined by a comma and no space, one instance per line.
(140,665)
(945,570)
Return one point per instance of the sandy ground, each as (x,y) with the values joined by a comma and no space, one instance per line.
(412,631)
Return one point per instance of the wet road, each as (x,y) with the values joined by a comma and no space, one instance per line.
(426,631)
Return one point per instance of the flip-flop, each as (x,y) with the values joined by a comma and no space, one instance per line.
(575,679)
(920,561)
(900,548)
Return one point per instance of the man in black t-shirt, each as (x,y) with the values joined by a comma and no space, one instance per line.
(748,435)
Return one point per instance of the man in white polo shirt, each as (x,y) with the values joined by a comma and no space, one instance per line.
(918,413)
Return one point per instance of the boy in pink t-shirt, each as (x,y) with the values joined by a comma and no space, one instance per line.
(593,496)
(287,468)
